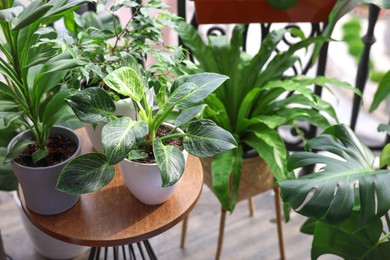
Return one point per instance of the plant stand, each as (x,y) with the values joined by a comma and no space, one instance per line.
(256,178)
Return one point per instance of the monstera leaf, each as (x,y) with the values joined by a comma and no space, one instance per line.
(346,182)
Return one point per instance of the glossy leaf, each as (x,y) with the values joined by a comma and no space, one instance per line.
(92,105)
(86,173)
(119,137)
(55,108)
(226,175)
(188,114)
(126,82)
(205,139)
(170,161)
(17,149)
(346,241)
(382,93)
(8,181)
(329,194)
(39,155)
(205,84)
(32,17)
(9,117)
(137,154)
(11,13)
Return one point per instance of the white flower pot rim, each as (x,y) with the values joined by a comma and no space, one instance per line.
(77,139)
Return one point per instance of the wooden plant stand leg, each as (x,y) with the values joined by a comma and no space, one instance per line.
(184,232)
(221,233)
(251,207)
(279,223)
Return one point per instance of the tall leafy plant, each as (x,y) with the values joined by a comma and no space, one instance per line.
(256,100)
(124,138)
(33,69)
(344,199)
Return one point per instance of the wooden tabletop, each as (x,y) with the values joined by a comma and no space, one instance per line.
(113,216)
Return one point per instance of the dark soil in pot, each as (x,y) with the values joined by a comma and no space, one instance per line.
(60,149)
(161,131)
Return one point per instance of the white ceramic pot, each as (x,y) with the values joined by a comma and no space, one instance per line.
(46,245)
(144,181)
(39,183)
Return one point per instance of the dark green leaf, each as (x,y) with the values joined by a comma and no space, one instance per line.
(120,136)
(86,173)
(282,4)
(347,242)
(332,189)
(39,155)
(205,139)
(170,161)
(8,181)
(9,117)
(17,149)
(32,17)
(188,114)
(92,105)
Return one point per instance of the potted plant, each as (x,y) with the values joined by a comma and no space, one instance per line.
(108,43)
(345,199)
(255,102)
(31,96)
(146,142)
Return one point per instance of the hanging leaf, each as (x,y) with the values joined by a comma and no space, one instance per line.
(170,161)
(86,173)
(328,195)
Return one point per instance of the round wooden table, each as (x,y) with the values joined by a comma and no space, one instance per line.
(114,217)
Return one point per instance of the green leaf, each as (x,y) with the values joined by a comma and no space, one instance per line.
(347,242)
(205,84)
(137,154)
(226,174)
(17,149)
(92,105)
(127,82)
(32,17)
(10,13)
(9,117)
(55,108)
(86,173)
(382,92)
(6,105)
(384,128)
(270,146)
(8,181)
(188,114)
(120,136)
(309,226)
(332,189)
(170,161)
(385,156)
(39,155)
(64,64)
(205,139)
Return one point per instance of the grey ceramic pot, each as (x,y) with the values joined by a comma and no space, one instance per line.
(38,183)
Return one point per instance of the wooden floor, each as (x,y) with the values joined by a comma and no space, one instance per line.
(245,237)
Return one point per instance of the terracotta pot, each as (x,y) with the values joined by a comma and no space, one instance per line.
(256,176)
(260,11)
(39,183)
(144,181)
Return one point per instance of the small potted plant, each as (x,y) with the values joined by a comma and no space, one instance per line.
(31,95)
(108,43)
(146,142)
